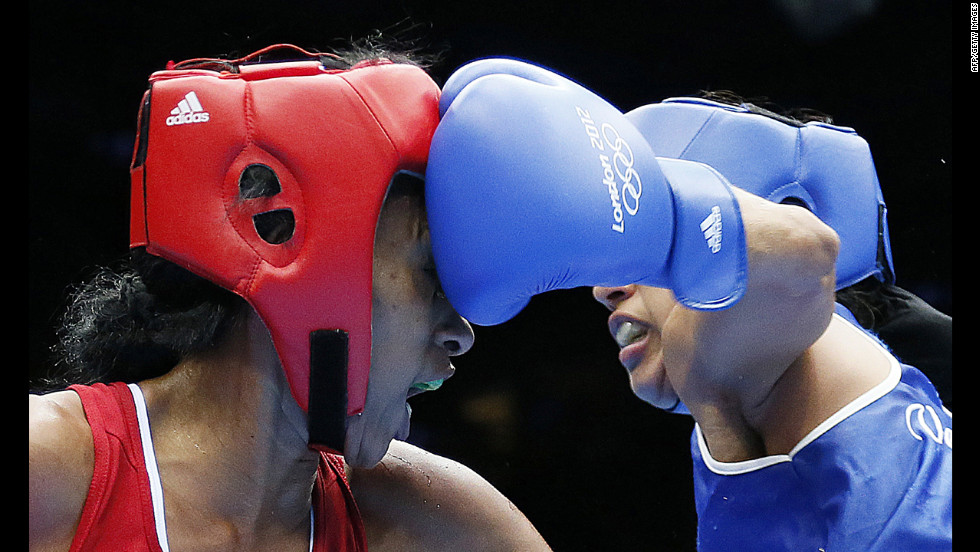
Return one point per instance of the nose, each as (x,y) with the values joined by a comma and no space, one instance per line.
(457,337)
(611,297)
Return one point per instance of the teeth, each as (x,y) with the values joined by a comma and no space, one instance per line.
(629,332)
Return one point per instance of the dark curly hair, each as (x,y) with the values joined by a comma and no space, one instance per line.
(138,322)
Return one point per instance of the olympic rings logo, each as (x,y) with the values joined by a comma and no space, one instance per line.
(618,169)
(623,165)
(916,423)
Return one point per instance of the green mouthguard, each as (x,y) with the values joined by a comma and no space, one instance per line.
(428,385)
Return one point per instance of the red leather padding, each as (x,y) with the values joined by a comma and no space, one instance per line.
(335,139)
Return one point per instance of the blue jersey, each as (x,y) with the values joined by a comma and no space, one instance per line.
(875,476)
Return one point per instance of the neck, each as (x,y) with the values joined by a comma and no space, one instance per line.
(231,441)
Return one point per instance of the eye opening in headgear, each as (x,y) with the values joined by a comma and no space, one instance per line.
(260,181)
(275,227)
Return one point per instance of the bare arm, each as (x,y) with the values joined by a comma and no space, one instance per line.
(61,461)
(728,366)
(415,500)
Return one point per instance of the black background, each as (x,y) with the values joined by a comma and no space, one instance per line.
(540,406)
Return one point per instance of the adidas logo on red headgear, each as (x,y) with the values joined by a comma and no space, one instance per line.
(188,110)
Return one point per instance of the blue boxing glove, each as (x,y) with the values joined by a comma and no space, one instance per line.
(534,183)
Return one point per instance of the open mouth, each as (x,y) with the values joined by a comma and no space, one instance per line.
(631,336)
(629,332)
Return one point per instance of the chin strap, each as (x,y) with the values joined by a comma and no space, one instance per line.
(327,413)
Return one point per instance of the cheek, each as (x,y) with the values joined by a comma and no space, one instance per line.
(400,331)
(398,312)
(649,380)
(404,295)
(659,304)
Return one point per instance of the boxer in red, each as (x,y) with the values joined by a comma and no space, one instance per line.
(280,261)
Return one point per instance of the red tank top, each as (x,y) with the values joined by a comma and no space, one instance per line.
(124,506)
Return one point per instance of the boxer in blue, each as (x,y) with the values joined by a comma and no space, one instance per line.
(828,169)
(810,435)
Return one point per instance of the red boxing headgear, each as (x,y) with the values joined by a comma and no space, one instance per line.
(333,139)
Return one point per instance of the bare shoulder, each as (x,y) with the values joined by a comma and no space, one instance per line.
(415,499)
(59,437)
(61,461)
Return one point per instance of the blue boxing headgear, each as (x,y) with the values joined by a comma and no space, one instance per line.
(824,167)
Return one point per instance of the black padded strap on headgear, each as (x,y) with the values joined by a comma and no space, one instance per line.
(328,390)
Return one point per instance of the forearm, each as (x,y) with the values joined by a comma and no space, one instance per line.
(724,364)
(789,298)
(791,252)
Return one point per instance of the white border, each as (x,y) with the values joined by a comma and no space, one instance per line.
(150,460)
(870,396)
